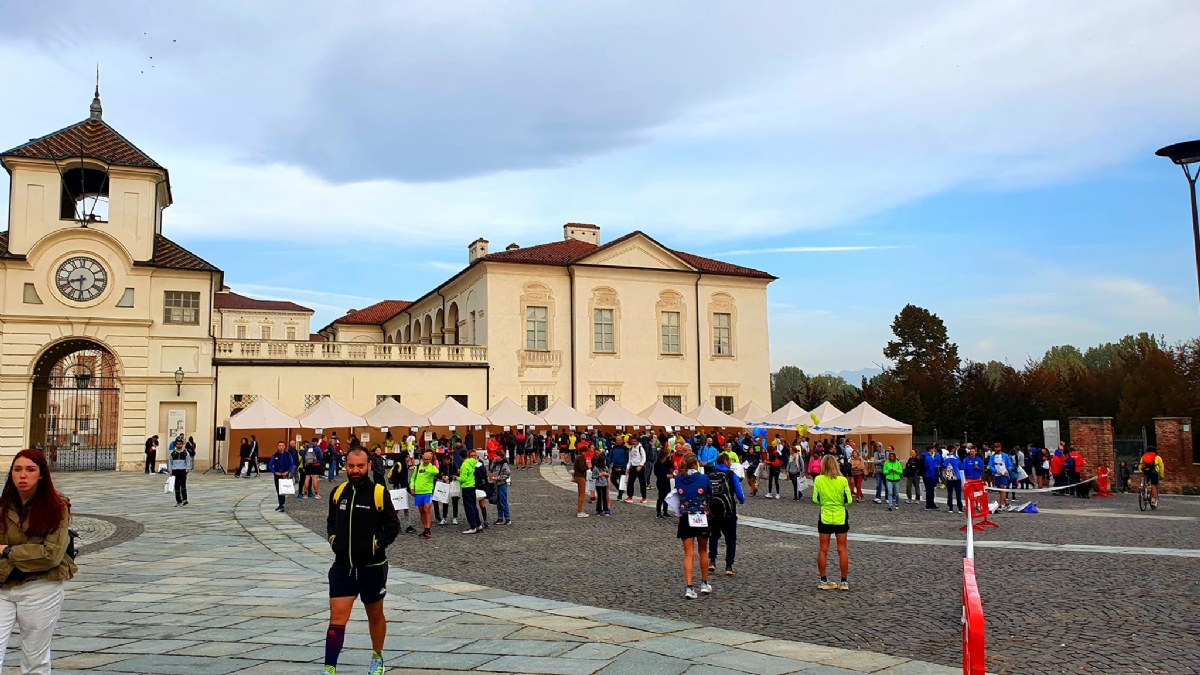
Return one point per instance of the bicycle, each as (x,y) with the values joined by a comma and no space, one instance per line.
(1144,494)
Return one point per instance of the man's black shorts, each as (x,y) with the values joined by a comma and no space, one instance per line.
(312,470)
(369,583)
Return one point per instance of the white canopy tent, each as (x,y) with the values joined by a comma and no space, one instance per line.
(327,414)
(788,415)
(662,415)
(751,413)
(451,413)
(559,414)
(707,415)
(390,413)
(507,413)
(611,414)
(262,415)
(866,421)
(825,413)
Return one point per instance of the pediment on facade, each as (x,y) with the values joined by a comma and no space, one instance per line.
(637,251)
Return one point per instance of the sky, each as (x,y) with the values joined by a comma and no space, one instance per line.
(992,162)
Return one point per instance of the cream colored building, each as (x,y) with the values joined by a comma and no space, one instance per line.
(111,333)
(630,320)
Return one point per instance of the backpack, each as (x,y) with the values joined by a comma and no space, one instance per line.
(948,473)
(380,491)
(720,499)
(310,456)
(1069,463)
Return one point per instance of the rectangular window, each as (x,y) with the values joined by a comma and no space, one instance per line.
(461,398)
(602,324)
(601,399)
(239,401)
(181,307)
(674,403)
(723,334)
(312,399)
(670,333)
(725,404)
(380,398)
(266,332)
(241,332)
(535,328)
(536,403)
(291,333)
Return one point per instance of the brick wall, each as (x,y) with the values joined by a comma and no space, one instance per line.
(1093,438)
(1175,447)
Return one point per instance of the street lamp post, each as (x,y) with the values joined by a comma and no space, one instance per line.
(1187,155)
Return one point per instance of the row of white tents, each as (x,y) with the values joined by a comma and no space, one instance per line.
(825,419)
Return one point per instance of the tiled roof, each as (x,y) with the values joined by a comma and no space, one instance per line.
(571,251)
(231,300)
(91,138)
(4,244)
(373,315)
(170,255)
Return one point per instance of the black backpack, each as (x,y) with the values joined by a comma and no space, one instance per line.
(720,501)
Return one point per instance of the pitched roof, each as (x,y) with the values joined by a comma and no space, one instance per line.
(570,251)
(4,244)
(231,300)
(93,139)
(373,315)
(169,255)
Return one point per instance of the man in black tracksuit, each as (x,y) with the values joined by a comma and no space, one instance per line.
(362,523)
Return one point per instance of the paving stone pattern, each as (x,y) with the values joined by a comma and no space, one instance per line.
(1047,611)
(226,585)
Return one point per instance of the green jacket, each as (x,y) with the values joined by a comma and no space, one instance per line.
(893,470)
(466,473)
(422,478)
(833,494)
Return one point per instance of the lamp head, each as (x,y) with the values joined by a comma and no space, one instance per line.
(1184,153)
(179,375)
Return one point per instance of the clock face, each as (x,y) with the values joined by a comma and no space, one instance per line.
(81,279)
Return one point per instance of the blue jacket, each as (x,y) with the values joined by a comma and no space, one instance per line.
(1002,458)
(933,464)
(954,462)
(973,467)
(708,455)
(281,462)
(620,456)
(737,484)
(693,490)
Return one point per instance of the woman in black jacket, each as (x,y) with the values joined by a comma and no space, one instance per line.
(914,469)
(664,466)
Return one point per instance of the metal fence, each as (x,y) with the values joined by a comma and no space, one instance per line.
(1129,448)
(82,459)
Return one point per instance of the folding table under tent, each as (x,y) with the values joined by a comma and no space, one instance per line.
(611,414)
(751,413)
(707,415)
(559,414)
(865,420)
(662,415)
(506,413)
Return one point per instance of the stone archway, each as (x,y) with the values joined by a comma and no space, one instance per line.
(75,408)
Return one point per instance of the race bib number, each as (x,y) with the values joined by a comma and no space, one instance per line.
(697,520)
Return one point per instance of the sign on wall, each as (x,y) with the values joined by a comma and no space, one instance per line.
(176,423)
(1051,434)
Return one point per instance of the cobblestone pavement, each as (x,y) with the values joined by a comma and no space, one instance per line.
(1047,611)
(226,585)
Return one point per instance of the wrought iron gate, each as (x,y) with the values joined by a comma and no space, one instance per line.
(77,422)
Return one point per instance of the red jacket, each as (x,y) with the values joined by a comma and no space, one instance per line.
(1079,463)
(1056,464)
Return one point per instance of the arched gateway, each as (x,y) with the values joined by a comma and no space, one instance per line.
(75,411)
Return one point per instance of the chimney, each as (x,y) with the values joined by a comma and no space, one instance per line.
(582,232)
(477,250)
(511,247)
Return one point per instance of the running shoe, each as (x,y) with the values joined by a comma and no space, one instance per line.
(426,535)
(705,588)
(643,500)
(442,521)
(453,521)
(410,529)
(329,670)
(776,495)
(473,530)
(376,667)
(629,500)
(690,593)
(844,586)
(712,568)
(828,585)
(729,572)
(581,515)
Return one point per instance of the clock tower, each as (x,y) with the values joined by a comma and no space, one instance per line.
(100,313)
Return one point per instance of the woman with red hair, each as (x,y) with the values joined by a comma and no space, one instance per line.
(33,561)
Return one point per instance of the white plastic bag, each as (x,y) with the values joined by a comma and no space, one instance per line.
(441,492)
(170,486)
(673,502)
(455,489)
(399,499)
(624,483)
(287,486)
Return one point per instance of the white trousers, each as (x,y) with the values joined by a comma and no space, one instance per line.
(34,606)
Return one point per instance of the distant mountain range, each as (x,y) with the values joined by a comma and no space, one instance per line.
(855,377)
